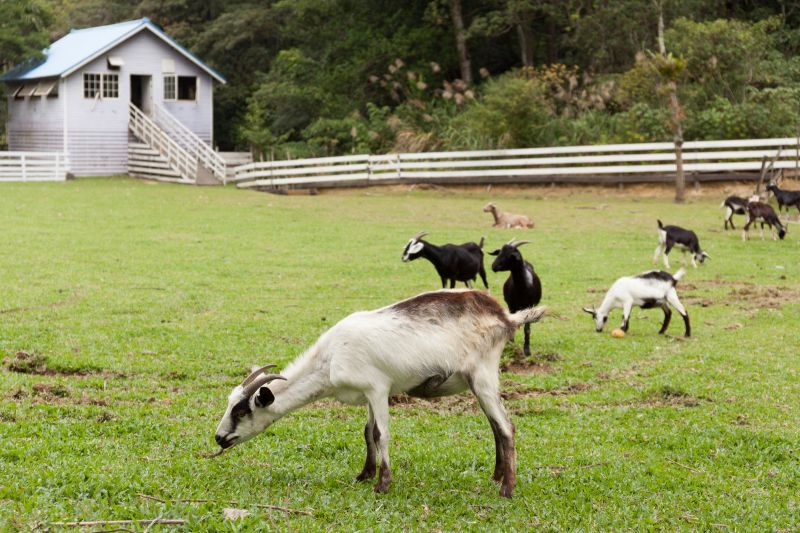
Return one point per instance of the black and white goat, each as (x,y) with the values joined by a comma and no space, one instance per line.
(734,205)
(763,213)
(522,289)
(434,344)
(647,290)
(686,240)
(453,262)
(784,197)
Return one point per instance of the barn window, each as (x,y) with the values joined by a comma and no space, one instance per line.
(187,88)
(91,85)
(170,86)
(110,85)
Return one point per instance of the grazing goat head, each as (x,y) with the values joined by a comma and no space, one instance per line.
(507,256)
(600,319)
(413,249)
(248,411)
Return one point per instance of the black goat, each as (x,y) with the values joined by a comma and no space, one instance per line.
(522,289)
(734,205)
(785,198)
(453,262)
(686,240)
(761,212)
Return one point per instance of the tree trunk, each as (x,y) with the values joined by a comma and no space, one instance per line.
(677,119)
(461,41)
(525,38)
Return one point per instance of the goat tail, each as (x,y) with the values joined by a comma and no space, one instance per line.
(679,274)
(660,225)
(723,204)
(527,316)
(480,244)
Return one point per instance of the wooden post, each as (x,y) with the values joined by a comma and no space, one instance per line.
(761,175)
(680,178)
(797,157)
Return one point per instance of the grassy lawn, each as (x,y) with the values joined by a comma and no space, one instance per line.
(137,307)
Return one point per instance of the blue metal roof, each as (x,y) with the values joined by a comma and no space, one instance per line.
(81,46)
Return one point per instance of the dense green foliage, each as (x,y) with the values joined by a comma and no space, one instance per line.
(139,306)
(340,76)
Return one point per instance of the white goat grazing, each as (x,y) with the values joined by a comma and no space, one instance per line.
(434,344)
(647,290)
(507,220)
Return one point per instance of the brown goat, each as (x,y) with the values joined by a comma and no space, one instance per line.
(507,220)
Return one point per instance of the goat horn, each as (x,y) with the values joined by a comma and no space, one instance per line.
(419,235)
(258,382)
(254,374)
(511,242)
(517,244)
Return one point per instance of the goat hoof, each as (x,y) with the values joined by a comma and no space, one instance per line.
(506,491)
(365,475)
(381,488)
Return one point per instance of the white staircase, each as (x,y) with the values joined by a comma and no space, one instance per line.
(168,151)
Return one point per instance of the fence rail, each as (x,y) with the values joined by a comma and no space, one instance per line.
(33,166)
(623,162)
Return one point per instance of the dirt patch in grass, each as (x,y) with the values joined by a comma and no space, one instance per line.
(669,396)
(756,296)
(54,393)
(37,364)
(535,364)
(466,403)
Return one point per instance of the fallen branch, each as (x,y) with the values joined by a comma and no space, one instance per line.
(89,523)
(689,468)
(259,505)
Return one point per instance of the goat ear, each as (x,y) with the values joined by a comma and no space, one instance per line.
(496,252)
(416,247)
(264,397)
(590,311)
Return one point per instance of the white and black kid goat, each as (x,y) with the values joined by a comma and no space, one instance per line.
(453,262)
(434,344)
(522,289)
(734,205)
(686,240)
(648,290)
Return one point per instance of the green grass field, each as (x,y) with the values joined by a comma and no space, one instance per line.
(129,310)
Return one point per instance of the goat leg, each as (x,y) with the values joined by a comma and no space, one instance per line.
(667,318)
(526,347)
(368,472)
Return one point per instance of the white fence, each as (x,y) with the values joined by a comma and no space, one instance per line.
(33,166)
(579,164)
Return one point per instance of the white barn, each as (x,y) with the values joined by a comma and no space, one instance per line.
(123,98)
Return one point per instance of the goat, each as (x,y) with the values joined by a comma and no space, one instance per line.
(734,205)
(784,197)
(507,220)
(686,240)
(434,344)
(522,289)
(453,262)
(761,212)
(647,290)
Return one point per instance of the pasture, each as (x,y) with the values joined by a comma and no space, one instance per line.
(128,311)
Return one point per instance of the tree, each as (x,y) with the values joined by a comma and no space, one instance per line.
(670,69)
